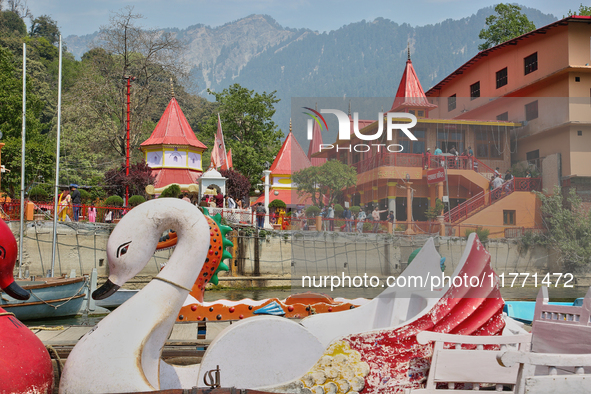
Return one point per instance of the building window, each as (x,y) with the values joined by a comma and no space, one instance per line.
(579,132)
(490,143)
(421,114)
(475,90)
(502,77)
(509,218)
(344,157)
(531,110)
(451,103)
(410,146)
(533,158)
(530,63)
(577,79)
(504,117)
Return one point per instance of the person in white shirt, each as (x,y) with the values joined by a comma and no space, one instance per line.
(376,218)
(360,220)
(230,202)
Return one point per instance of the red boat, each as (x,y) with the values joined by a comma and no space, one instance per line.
(25,365)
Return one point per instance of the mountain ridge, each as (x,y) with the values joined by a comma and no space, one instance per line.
(360,59)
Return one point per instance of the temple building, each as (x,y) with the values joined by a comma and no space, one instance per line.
(290,159)
(173,152)
(409,181)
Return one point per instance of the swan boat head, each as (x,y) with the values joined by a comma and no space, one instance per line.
(128,342)
(131,247)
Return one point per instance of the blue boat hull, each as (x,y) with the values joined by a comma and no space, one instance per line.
(46,309)
(118,298)
(50,297)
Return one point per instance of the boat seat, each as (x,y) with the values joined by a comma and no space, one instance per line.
(462,362)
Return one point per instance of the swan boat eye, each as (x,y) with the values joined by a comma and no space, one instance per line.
(122,249)
(2,252)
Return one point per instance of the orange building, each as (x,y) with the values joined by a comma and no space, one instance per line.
(399,182)
(541,79)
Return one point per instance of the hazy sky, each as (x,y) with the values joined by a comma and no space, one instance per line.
(85,16)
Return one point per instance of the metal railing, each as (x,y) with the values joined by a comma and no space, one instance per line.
(44,211)
(424,161)
(485,199)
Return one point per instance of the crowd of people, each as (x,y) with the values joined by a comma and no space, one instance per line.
(353,222)
(463,160)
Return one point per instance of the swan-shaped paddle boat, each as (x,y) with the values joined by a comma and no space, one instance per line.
(122,353)
(25,365)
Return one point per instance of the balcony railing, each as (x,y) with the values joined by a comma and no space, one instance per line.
(485,199)
(425,161)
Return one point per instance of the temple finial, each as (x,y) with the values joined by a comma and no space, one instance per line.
(316,106)
(290,125)
(408,49)
(171,87)
(349,108)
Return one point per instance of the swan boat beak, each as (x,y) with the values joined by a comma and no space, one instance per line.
(105,290)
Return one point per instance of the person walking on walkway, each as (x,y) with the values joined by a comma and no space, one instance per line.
(347,216)
(76,200)
(330,213)
(361,220)
(376,218)
(63,205)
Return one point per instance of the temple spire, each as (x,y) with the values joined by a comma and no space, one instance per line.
(349,108)
(408,49)
(171,88)
(290,125)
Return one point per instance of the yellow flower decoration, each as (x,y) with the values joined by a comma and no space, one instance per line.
(339,371)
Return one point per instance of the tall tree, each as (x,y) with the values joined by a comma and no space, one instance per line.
(508,23)
(39,156)
(248,129)
(583,10)
(12,24)
(237,185)
(45,27)
(327,180)
(19,7)
(123,49)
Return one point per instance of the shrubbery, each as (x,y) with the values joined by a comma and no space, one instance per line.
(173,191)
(136,200)
(114,201)
(312,211)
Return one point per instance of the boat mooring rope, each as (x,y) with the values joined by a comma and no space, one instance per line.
(6,314)
(65,302)
(60,363)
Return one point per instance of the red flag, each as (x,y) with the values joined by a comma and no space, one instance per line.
(218,154)
(228,165)
(229,160)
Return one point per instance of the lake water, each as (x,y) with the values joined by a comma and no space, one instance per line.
(508,293)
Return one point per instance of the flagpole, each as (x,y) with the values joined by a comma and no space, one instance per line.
(20,249)
(57,160)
